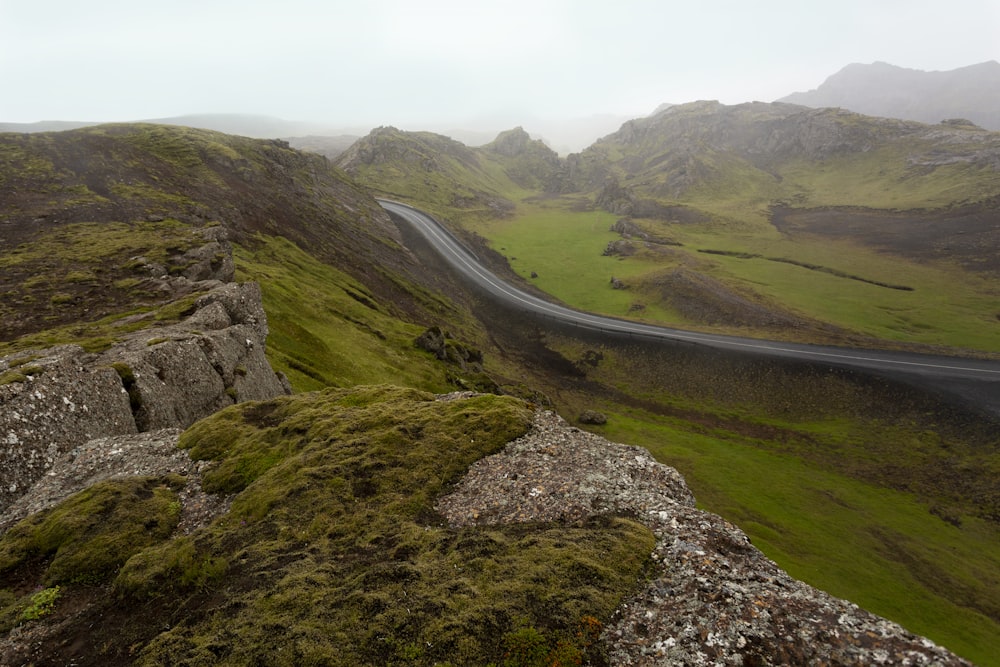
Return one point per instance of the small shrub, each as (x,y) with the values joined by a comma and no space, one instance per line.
(526,647)
(41,605)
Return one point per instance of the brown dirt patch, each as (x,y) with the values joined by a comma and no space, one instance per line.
(966,235)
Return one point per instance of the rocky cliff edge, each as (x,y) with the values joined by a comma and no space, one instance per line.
(55,399)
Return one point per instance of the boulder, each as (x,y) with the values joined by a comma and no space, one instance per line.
(711,597)
(593,417)
(445,348)
(621,248)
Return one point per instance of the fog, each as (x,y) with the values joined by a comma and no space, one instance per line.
(441,64)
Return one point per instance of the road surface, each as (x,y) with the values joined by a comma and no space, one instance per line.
(974,379)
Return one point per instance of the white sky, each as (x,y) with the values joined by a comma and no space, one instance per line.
(404,62)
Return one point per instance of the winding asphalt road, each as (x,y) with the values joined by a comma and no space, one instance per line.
(974,379)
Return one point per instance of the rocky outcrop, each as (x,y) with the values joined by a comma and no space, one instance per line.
(53,400)
(153,453)
(440,343)
(662,157)
(56,399)
(619,248)
(593,417)
(529,162)
(215,358)
(713,598)
(628,229)
(513,143)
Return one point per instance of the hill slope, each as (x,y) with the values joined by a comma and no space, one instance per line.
(164,182)
(881,89)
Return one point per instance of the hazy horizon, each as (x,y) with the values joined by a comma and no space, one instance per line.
(443,62)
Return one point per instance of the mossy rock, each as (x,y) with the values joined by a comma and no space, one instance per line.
(88,536)
(333,554)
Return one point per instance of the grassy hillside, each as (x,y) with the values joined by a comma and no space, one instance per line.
(447,176)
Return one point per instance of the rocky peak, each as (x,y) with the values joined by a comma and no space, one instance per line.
(385,145)
(514,142)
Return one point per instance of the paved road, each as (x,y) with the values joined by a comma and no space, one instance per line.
(983,376)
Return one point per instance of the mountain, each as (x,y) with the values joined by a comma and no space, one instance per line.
(140,174)
(44,126)
(319,138)
(442,173)
(247,125)
(893,187)
(563,135)
(881,89)
(706,145)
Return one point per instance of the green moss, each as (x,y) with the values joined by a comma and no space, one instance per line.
(177,310)
(20,373)
(322,336)
(126,283)
(85,247)
(80,276)
(332,553)
(88,536)
(10,377)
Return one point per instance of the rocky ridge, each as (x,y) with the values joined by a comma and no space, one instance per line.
(59,398)
(686,146)
(712,598)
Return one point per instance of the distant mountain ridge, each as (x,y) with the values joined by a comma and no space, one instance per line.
(881,89)
(563,135)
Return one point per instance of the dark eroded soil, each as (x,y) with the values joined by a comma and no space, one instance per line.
(968,235)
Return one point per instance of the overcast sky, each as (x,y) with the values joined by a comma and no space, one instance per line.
(407,62)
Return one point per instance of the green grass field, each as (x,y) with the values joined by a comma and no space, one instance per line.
(945,306)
